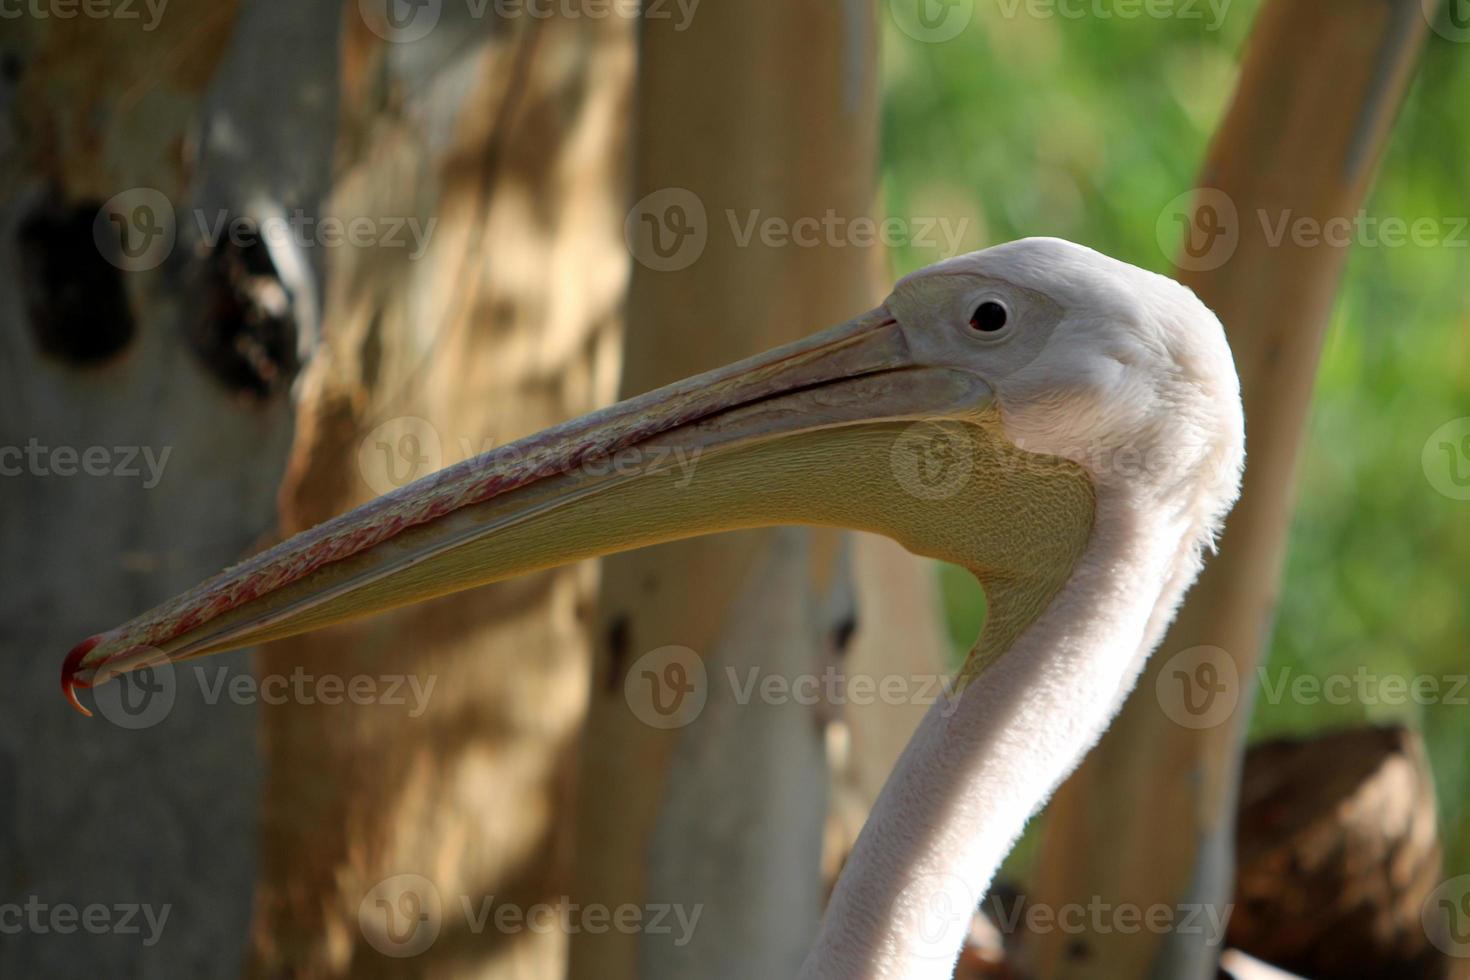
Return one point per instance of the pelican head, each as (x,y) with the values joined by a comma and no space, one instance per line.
(1085,358)
(1062,375)
(1065,426)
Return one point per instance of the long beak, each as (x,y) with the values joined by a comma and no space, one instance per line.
(767,437)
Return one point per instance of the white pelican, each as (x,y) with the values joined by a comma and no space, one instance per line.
(1099,413)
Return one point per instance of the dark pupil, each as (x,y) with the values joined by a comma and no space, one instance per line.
(989,316)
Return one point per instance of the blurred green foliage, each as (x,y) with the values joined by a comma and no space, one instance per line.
(1085,128)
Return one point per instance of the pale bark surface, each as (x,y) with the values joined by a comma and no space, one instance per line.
(1319,89)
(104,353)
(511,135)
(764,110)
(506,142)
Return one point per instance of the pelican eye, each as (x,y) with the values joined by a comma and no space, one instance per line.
(989,317)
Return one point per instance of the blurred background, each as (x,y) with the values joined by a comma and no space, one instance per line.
(267,260)
(1076,128)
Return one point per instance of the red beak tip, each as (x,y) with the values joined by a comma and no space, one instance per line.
(69,680)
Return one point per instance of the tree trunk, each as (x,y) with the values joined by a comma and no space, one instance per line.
(146,369)
(752,111)
(492,316)
(425,835)
(1318,92)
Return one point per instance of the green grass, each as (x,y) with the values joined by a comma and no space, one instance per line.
(1085,129)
